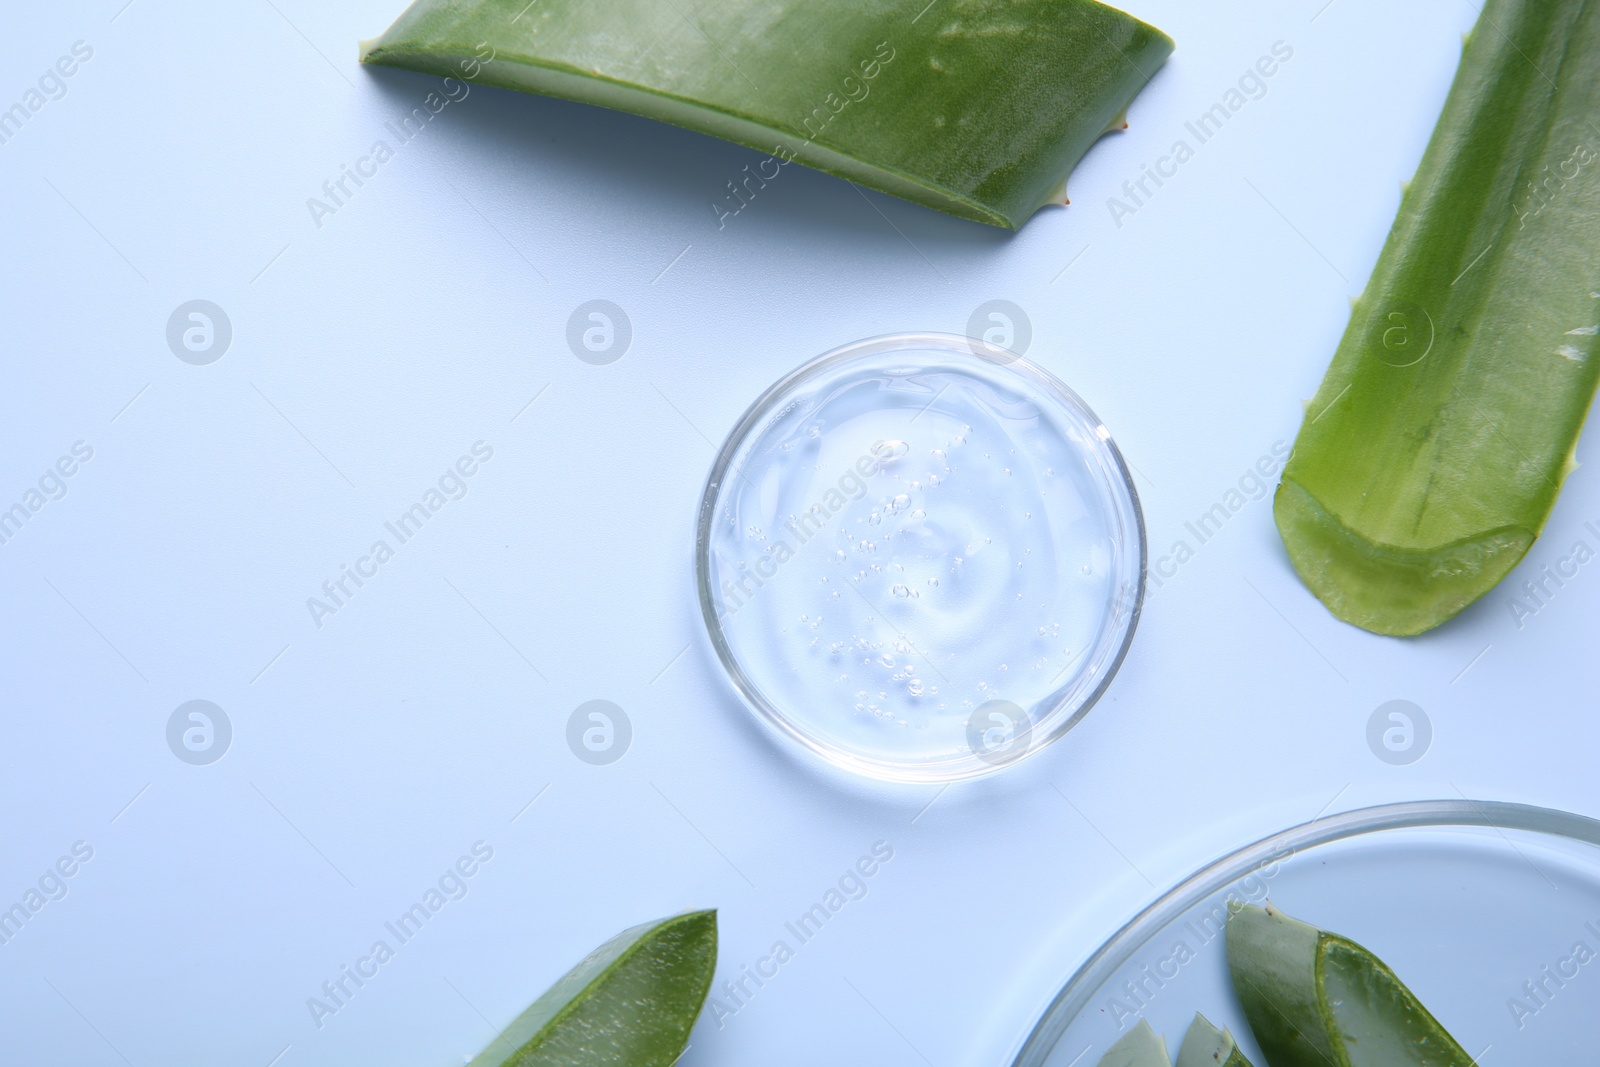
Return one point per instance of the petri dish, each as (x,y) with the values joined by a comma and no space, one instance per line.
(921,557)
(1468,901)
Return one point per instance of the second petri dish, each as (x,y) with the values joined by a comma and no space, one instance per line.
(1465,899)
(921,557)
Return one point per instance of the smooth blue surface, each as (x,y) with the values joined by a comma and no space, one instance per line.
(371,352)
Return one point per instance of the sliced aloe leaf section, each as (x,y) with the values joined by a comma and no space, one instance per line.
(1315,999)
(1433,451)
(1206,1046)
(979,108)
(1139,1047)
(630,1003)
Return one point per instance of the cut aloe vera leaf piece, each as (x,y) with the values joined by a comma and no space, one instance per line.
(1433,452)
(630,1003)
(1315,999)
(1139,1047)
(975,107)
(1206,1046)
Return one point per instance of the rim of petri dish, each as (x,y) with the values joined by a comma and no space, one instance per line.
(1119,620)
(1080,990)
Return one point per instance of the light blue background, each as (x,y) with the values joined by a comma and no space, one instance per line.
(369,353)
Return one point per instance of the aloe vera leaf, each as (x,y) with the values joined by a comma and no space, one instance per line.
(1434,449)
(979,108)
(1206,1046)
(1139,1047)
(630,1003)
(1315,999)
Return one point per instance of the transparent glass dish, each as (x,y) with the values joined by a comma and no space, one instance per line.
(921,557)
(1474,904)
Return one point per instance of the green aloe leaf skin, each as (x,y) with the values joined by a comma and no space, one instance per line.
(1206,1046)
(630,1003)
(1139,1047)
(979,108)
(1433,451)
(1315,999)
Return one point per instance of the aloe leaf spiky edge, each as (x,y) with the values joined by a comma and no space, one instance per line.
(1433,452)
(980,111)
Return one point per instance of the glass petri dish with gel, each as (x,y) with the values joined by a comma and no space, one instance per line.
(921,557)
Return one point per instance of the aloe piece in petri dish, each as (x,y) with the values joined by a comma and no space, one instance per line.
(1139,1047)
(1206,1046)
(1315,999)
